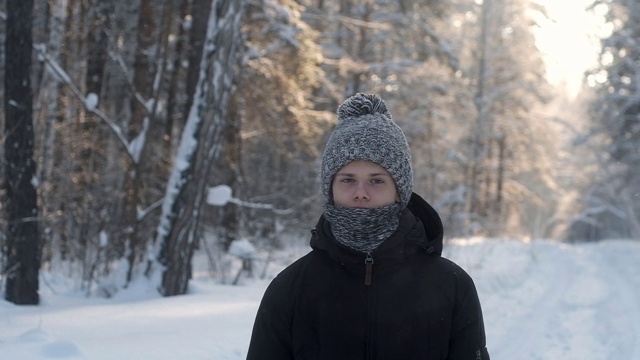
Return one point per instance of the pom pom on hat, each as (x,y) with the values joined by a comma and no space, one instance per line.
(366,131)
(362,104)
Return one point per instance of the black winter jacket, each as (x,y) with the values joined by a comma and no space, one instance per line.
(404,301)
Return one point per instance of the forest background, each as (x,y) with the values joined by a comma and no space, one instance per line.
(120,116)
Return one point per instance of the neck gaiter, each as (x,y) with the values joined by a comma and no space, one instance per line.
(362,229)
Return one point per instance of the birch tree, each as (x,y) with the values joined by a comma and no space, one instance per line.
(179,228)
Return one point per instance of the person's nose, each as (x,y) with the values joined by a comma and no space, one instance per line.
(361,192)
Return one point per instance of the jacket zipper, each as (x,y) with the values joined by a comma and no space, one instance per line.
(368,274)
(368,269)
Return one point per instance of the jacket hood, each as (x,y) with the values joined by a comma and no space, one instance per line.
(431,222)
(420,229)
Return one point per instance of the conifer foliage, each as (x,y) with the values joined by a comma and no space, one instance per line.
(611,203)
(132,110)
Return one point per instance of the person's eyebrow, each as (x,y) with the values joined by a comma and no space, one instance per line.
(371,175)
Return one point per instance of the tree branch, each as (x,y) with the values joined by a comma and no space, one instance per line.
(62,75)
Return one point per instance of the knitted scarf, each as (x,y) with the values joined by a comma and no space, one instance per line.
(362,229)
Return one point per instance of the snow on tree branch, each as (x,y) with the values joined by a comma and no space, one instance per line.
(90,102)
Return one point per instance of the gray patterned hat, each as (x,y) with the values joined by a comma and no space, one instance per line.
(366,131)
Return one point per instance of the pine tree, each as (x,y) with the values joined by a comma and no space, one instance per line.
(611,202)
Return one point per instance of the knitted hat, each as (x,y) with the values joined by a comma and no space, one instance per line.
(366,131)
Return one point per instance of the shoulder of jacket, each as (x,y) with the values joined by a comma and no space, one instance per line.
(296,268)
(453,269)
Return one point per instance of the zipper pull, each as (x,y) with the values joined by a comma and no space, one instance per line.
(368,263)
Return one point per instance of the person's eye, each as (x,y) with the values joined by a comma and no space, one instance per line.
(346,180)
(377,181)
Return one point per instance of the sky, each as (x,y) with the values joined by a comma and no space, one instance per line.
(569,40)
(541,300)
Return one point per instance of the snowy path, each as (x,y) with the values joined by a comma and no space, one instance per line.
(563,302)
(541,301)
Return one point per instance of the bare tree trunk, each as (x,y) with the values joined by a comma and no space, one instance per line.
(502,166)
(49,97)
(229,171)
(175,87)
(200,145)
(141,118)
(482,109)
(22,249)
(200,9)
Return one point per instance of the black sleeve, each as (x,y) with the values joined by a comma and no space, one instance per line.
(271,336)
(468,340)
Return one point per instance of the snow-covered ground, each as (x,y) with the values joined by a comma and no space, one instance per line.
(541,300)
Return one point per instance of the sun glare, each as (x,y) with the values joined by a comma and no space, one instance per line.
(569,40)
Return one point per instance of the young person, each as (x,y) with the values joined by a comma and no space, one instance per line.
(374,285)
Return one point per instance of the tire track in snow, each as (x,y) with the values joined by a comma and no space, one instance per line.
(573,302)
(621,311)
(587,310)
(538,328)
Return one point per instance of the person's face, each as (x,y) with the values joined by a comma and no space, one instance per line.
(363,184)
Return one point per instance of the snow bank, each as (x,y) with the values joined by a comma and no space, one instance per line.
(541,300)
